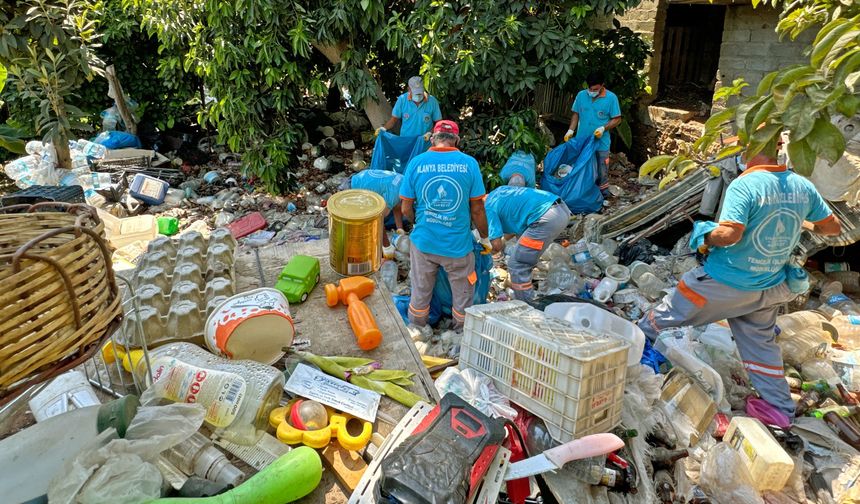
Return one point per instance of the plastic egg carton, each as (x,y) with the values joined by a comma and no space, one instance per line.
(178,283)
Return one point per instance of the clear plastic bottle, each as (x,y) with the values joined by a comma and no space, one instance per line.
(22,167)
(402,245)
(389,272)
(559,276)
(92,150)
(848,327)
(238,395)
(650,286)
(798,321)
(196,455)
(600,256)
(831,294)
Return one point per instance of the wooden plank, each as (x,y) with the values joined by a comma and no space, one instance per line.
(119,97)
(347,465)
(330,334)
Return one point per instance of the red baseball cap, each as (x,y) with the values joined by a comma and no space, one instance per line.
(445,126)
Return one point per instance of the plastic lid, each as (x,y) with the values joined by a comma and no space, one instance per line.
(356,205)
(118,414)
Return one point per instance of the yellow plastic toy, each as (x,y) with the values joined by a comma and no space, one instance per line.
(320,438)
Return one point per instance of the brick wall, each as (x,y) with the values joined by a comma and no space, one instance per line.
(649,19)
(751,48)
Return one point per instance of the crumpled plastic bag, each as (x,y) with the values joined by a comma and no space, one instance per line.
(725,479)
(477,390)
(121,471)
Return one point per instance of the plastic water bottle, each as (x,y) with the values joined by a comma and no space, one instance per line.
(196,455)
(92,150)
(563,170)
(560,276)
(389,272)
(22,167)
(600,256)
(831,294)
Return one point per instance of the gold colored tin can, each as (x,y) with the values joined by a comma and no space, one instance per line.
(355,220)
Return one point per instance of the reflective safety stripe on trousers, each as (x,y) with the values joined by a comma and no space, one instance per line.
(531,243)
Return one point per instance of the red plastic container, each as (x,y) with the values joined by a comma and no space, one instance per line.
(247,225)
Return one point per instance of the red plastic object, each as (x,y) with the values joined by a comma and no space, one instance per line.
(721,424)
(247,225)
(519,489)
(769,415)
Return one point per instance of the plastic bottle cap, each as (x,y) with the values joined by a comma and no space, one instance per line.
(118,414)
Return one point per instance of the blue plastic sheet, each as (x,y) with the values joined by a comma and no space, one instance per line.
(393,153)
(651,357)
(522,163)
(579,188)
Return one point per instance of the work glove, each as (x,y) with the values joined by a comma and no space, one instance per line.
(568,135)
(488,247)
(388,252)
(598,133)
(400,231)
(427,136)
(379,130)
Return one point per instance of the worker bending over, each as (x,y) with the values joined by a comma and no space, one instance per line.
(595,112)
(743,279)
(386,184)
(537,217)
(443,194)
(417,110)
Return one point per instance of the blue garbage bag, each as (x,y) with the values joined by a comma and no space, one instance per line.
(651,357)
(579,188)
(522,163)
(443,300)
(393,153)
(117,140)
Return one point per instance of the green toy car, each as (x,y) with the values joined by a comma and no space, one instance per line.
(298,278)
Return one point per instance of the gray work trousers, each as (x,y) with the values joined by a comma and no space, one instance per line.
(461,276)
(603,171)
(700,300)
(534,240)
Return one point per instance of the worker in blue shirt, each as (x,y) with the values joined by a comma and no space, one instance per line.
(537,217)
(443,194)
(417,110)
(744,277)
(386,184)
(595,112)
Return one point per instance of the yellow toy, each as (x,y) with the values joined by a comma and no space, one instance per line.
(320,438)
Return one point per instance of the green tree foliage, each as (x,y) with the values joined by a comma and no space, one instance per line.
(261,60)
(48,49)
(798,98)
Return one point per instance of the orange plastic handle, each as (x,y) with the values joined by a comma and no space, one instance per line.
(360,286)
(363,324)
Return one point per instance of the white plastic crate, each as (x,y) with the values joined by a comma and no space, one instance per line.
(571,378)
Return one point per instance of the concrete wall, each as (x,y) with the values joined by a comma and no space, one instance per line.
(649,19)
(751,48)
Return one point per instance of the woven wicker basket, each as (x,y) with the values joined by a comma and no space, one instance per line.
(58,294)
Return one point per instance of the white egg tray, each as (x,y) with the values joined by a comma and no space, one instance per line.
(178,282)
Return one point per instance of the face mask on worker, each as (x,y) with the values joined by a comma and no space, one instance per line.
(418,98)
(594,93)
(740,162)
(517,180)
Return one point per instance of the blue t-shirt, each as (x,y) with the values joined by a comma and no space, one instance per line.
(771,204)
(510,210)
(442,182)
(418,119)
(520,163)
(383,182)
(594,113)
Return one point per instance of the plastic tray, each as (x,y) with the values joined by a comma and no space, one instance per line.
(571,378)
(39,194)
(247,225)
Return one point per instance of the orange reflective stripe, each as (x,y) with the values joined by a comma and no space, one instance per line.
(457,314)
(522,286)
(472,278)
(531,243)
(691,295)
(416,310)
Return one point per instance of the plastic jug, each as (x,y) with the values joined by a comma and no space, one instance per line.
(605,289)
(238,395)
(831,294)
(769,465)
(798,321)
(589,317)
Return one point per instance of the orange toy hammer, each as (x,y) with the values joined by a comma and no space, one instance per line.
(350,291)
